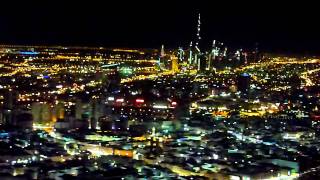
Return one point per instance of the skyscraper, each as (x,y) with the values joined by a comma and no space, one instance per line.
(162,53)
(198,38)
(190,54)
(212,56)
(174,64)
(162,59)
(180,54)
(197,49)
(194,49)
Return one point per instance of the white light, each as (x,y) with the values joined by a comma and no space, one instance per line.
(160,107)
(215,156)
(110,98)
(120,100)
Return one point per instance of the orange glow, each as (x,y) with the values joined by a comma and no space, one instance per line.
(126,153)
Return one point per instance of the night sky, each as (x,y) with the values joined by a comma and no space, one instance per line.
(291,28)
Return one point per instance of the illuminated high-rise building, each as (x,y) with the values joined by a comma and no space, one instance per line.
(197,55)
(162,58)
(175,64)
(198,34)
(162,53)
(180,54)
(225,52)
(194,49)
(190,59)
(212,55)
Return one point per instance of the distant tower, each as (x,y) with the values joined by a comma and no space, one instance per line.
(190,54)
(245,57)
(195,52)
(162,56)
(198,38)
(212,55)
(181,54)
(162,53)
(198,34)
(225,51)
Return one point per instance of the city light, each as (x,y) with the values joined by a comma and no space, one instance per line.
(139,100)
(205,109)
(120,100)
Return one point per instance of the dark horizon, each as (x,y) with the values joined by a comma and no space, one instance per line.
(275,27)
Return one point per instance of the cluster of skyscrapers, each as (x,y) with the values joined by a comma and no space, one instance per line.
(206,58)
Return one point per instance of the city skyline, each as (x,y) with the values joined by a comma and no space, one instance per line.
(159,90)
(275,27)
